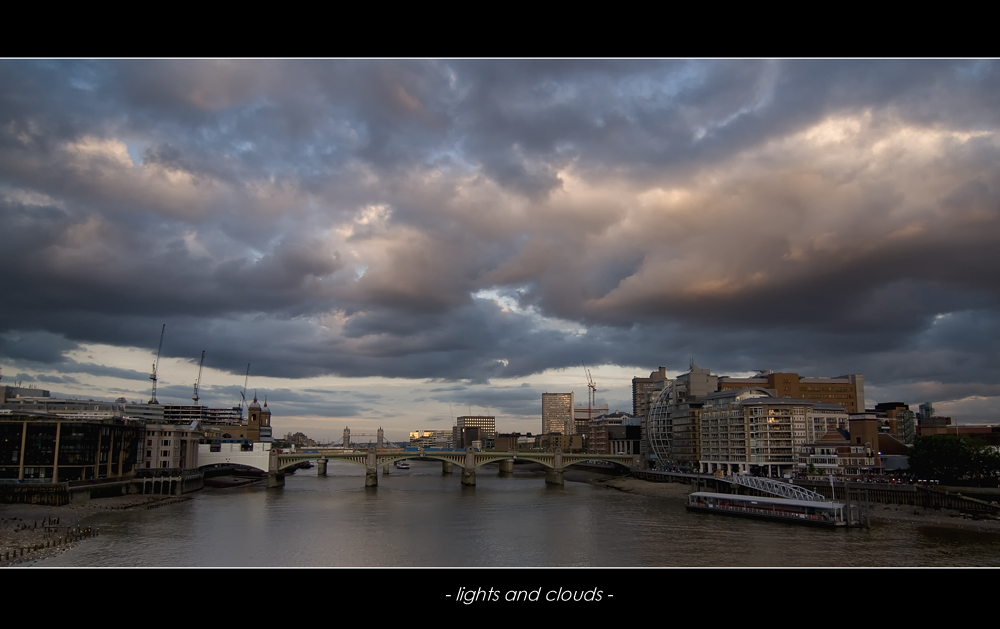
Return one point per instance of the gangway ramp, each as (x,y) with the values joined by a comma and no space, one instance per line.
(776,488)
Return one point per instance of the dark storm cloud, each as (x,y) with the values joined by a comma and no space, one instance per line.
(340,217)
(496,400)
(291,403)
(41,347)
(45,350)
(102,370)
(23,377)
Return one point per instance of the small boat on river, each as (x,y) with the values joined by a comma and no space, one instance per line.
(402,465)
(808,512)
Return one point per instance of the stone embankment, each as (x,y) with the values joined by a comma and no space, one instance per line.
(31,532)
(889,514)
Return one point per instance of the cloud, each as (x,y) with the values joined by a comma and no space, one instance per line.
(469,221)
(36,346)
(24,377)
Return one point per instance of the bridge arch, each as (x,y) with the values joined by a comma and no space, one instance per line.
(458,457)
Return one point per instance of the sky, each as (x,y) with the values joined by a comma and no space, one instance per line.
(396,243)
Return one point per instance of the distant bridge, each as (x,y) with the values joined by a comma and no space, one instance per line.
(467,459)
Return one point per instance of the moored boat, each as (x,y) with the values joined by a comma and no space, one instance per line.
(808,512)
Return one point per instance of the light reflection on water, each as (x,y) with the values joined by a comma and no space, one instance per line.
(419,517)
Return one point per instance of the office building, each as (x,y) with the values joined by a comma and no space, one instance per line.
(555,441)
(671,428)
(897,420)
(469,428)
(625,438)
(557,414)
(431,438)
(645,390)
(847,390)
(582,414)
(606,436)
(55,449)
(171,446)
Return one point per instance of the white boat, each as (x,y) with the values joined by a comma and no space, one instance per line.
(778,509)
(402,465)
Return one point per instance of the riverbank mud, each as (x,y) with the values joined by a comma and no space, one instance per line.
(31,532)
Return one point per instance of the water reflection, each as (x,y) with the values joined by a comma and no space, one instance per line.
(419,517)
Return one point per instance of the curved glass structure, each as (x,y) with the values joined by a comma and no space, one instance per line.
(659,425)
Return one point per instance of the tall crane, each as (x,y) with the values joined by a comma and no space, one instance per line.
(156,365)
(243,393)
(591,394)
(198,381)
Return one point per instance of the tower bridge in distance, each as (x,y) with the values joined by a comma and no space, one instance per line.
(468,460)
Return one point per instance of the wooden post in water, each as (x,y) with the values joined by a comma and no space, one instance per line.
(868,516)
(850,514)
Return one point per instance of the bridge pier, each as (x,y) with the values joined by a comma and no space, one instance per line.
(275,479)
(507,466)
(446,467)
(385,468)
(371,468)
(469,477)
(469,471)
(554,475)
(321,467)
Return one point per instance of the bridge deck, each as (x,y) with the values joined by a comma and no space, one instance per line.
(457,457)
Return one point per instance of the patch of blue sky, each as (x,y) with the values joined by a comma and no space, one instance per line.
(507,299)
(760,99)
(974,69)
(136,150)
(83,79)
(244,146)
(451,160)
(646,90)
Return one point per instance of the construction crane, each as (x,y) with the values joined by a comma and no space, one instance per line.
(243,393)
(591,394)
(156,365)
(198,381)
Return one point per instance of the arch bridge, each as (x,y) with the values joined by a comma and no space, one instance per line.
(468,460)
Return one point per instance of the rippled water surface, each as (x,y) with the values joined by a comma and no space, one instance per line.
(419,517)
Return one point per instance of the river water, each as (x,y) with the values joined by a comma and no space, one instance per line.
(420,517)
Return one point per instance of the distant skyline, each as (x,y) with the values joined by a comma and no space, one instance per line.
(391,242)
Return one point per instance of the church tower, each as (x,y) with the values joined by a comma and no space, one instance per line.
(259,421)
